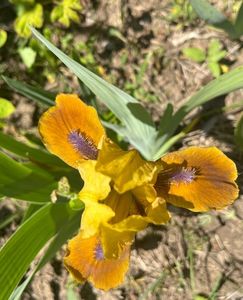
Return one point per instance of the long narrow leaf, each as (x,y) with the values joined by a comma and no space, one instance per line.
(166,119)
(211,15)
(34,93)
(224,84)
(20,182)
(62,236)
(239,21)
(238,134)
(32,208)
(20,250)
(138,124)
(33,154)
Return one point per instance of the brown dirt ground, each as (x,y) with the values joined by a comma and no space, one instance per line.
(194,254)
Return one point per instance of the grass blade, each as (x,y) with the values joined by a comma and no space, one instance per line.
(33,154)
(222,85)
(61,237)
(212,16)
(239,21)
(19,251)
(34,93)
(238,134)
(20,182)
(138,124)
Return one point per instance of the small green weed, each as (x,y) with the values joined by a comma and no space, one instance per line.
(6,109)
(181,12)
(212,57)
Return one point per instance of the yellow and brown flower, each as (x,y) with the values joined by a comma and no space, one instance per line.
(122,192)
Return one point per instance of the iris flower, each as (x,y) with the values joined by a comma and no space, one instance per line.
(122,192)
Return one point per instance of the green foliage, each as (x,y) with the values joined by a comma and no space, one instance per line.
(135,86)
(6,108)
(40,63)
(23,2)
(212,57)
(65,232)
(86,56)
(44,182)
(29,239)
(34,93)
(182,12)
(239,134)
(65,12)
(195,54)
(28,56)
(135,121)
(212,16)
(31,12)
(34,185)
(215,54)
(3,37)
(34,181)
(32,16)
(239,21)
(222,85)
(137,126)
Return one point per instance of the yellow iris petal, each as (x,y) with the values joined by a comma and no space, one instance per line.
(198,179)
(93,216)
(85,261)
(71,130)
(96,185)
(115,237)
(123,205)
(126,168)
(131,216)
(145,194)
(157,212)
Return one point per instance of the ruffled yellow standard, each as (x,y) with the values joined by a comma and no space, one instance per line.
(198,179)
(71,130)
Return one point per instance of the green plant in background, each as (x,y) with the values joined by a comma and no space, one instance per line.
(32,174)
(28,13)
(3,37)
(28,56)
(211,15)
(135,86)
(6,109)
(66,11)
(238,134)
(31,12)
(182,12)
(36,13)
(161,140)
(83,51)
(212,56)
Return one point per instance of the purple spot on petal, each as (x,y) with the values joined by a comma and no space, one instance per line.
(99,255)
(184,175)
(83,144)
